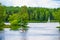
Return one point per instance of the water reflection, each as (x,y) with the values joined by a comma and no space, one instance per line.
(59,31)
(1,35)
(32,34)
(24,35)
(48,32)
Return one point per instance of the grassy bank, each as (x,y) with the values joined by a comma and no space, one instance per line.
(7,26)
(35,21)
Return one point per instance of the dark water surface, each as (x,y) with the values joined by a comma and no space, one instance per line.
(33,33)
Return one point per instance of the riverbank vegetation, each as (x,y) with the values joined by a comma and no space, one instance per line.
(35,14)
(20,16)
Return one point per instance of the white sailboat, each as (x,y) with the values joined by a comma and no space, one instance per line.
(48,20)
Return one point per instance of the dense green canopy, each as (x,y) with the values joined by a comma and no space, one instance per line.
(2,16)
(20,16)
(34,13)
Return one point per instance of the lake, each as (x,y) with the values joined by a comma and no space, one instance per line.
(37,31)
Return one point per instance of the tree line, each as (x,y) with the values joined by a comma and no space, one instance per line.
(35,13)
(20,16)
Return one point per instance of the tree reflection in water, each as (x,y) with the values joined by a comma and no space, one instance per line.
(59,34)
(59,30)
(24,35)
(1,35)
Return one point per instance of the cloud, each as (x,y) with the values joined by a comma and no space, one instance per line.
(32,3)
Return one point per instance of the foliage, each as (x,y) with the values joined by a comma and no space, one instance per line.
(20,16)
(58,27)
(57,15)
(19,20)
(2,16)
(32,13)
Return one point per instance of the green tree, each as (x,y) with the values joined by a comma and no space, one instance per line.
(2,16)
(57,16)
(19,20)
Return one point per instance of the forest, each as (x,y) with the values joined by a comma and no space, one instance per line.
(24,14)
(34,13)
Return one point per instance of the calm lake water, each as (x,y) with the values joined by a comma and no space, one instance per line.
(37,31)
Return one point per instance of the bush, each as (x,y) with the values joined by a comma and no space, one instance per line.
(58,27)
(14,27)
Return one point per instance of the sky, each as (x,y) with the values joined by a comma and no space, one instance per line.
(32,3)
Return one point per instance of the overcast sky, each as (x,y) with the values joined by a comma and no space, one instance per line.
(32,3)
